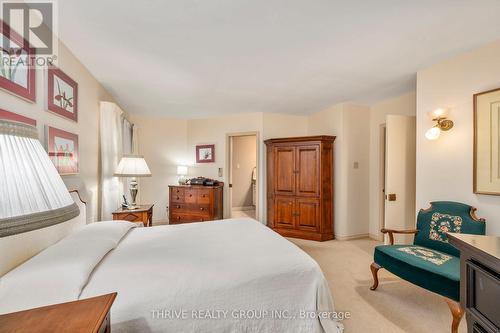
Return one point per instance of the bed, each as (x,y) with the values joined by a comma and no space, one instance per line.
(225,276)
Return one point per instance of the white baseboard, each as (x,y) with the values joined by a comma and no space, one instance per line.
(351,237)
(243,208)
(374,237)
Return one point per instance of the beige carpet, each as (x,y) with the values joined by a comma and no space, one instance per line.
(396,306)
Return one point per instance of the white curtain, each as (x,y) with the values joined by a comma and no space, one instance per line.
(112,144)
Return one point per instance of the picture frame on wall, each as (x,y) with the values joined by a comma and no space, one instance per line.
(487,142)
(17,75)
(62,94)
(7,115)
(205,153)
(62,148)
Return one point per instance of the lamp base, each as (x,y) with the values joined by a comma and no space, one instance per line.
(134,188)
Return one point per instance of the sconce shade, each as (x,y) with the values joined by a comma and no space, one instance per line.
(433,133)
(132,166)
(32,194)
(182,170)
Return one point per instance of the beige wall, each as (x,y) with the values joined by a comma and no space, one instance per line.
(350,124)
(90,93)
(244,160)
(444,166)
(163,143)
(401,105)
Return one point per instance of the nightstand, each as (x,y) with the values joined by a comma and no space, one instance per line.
(142,214)
(89,315)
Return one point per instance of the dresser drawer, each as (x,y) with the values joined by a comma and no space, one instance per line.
(190,195)
(483,297)
(191,209)
(177,195)
(176,218)
(203,196)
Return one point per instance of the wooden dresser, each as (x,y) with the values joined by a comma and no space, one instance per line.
(300,187)
(479,280)
(194,203)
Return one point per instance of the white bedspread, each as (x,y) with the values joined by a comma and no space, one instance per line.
(226,276)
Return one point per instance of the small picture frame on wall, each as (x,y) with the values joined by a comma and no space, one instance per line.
(62,94)
(205,153)
(7,115)
(487,142)
(17,74)
(62,148)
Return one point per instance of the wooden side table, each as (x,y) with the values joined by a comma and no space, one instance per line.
(142,214)
(89,315)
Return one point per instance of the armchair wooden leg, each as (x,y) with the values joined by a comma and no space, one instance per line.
(374,268)
(457,312)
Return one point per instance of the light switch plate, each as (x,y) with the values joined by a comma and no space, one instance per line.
(356,165)
(220,172)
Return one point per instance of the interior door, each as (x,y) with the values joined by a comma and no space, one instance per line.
(307,212)
(307,169)
(284,161)
(400,174)
(284,212)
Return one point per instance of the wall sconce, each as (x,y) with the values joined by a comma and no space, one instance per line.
(442,124)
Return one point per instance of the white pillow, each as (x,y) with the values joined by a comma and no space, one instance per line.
(59,273)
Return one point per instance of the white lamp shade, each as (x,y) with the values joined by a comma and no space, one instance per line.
(433,133)
(132,166)
(182,170)
(32,194)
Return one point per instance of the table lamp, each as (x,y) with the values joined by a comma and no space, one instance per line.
(133,166)
(32,193)
(182,171)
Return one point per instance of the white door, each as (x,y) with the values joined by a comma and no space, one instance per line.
(400,174)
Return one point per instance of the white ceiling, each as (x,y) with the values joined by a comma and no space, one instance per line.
(197,58)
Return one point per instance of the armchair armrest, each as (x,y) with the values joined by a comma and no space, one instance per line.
(391,233)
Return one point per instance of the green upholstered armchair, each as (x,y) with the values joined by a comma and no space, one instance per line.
(431,262)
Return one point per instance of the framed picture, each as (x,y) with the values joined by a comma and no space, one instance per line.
(487,142)
(62,94)
(6,115)
(205,153)
(62,148)
(17,75)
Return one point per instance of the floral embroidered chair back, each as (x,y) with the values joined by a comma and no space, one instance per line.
(443,217)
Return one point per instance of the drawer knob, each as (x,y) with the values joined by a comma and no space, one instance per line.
(202,208)
(177,198)
(178,217)
(178,206)
(203,195)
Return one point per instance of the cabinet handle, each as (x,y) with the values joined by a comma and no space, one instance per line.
(190,195)
(178,217)
(202,208)
(177,198)
(178,206)
(203,195)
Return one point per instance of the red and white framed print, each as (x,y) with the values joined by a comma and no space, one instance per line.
(17,73)
(62,148)
(205,153)
(7,115)
(62,94)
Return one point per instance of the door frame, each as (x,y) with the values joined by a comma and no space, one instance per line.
(381,184)
(228,166)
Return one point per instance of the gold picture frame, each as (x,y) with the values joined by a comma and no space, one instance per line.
(486,164)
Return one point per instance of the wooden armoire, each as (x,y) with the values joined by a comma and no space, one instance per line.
(300,186)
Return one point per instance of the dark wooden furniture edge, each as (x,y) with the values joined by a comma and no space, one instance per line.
(302,138)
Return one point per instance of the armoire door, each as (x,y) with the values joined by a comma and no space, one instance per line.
(308,171)
(284,177)
(308,214)
(284,212)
